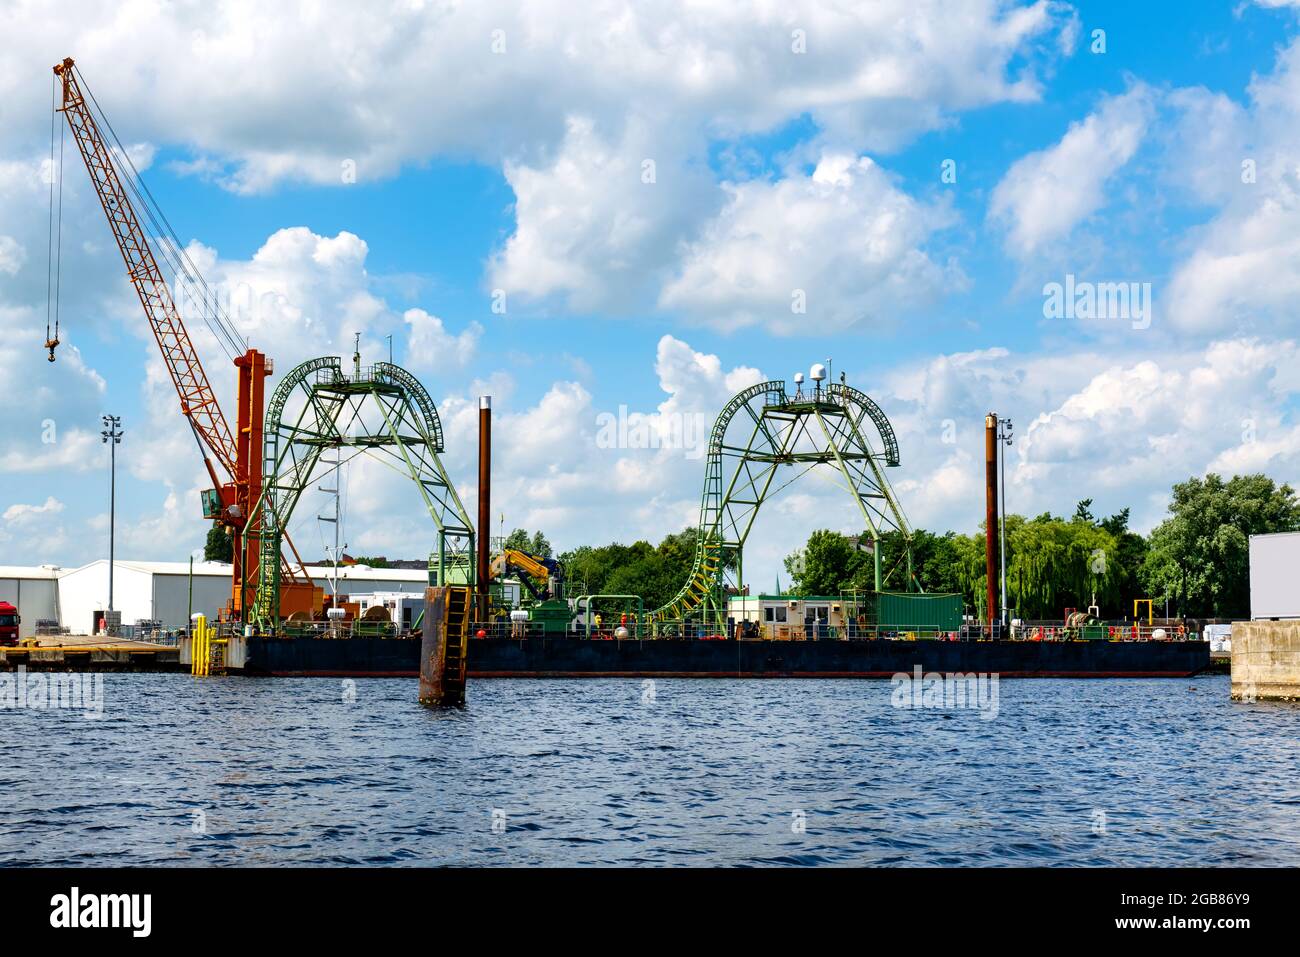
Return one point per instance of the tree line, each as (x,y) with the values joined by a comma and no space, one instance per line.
(1196,560)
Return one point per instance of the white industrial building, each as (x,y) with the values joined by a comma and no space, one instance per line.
(34,591)
(161,591)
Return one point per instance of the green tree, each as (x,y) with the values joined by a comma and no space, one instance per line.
(219,545)
(825,566)
(1198,558)
(1126,563)
(1116,524)
(649,575)
(1053,565)
(934,562)
(832,562)
(534,544)
(656,574)
(679,549)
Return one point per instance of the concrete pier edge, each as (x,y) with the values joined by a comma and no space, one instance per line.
(1266,661)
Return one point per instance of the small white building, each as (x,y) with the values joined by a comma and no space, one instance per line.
(402,607)
(783,617)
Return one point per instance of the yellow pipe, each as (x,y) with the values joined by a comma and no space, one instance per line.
(199,646)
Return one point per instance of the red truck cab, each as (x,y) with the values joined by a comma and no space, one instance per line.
(9,622)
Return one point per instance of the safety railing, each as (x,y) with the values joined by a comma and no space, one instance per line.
(1158,630)
(619,627)
(354,628)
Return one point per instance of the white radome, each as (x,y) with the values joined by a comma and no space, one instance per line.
(817,373)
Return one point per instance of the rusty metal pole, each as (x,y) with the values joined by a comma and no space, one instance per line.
(991,515)
(254,367)
(484,502)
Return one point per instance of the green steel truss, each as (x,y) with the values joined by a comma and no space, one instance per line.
(381,411)
(760,430)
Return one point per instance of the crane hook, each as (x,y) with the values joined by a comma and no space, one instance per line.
(51,344)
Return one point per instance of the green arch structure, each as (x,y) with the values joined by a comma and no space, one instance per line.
(380,410)
(758,431)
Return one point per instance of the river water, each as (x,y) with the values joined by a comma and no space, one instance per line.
(184,771)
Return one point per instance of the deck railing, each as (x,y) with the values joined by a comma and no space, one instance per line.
(619,627)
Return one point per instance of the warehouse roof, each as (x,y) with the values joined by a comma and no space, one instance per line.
(155,568)
(30,571)
(222,569)
(216,569)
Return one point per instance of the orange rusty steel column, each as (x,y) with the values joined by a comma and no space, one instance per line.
(991,514)
(484,502)
(254,367)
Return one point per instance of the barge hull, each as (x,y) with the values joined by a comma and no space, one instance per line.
(578,658)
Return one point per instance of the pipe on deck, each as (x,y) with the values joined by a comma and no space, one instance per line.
(991,514)
(484,504)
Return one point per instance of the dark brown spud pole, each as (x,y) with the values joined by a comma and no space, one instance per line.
(991,514)
(484,502)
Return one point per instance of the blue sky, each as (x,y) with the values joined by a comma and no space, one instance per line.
(775,170)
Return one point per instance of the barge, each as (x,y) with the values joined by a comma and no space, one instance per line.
(574,657)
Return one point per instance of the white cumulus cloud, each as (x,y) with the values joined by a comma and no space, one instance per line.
(1044,195)
(838,248)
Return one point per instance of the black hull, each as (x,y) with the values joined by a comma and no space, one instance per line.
(577,658)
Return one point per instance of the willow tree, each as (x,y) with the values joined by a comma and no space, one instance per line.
(1052,564)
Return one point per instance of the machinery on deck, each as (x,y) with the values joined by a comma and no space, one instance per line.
(543,578)
(545,606)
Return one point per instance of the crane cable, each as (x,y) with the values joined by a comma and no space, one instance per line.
(54,240)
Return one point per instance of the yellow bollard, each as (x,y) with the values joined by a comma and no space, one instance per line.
(199,646)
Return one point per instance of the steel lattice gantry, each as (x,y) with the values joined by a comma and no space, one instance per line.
(760,430)
(381,411)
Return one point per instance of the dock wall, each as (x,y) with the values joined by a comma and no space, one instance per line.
(1266,661)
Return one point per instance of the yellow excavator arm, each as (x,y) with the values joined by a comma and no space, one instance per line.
(513,558)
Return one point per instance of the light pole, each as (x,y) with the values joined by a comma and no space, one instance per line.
(112,434)
(1004,439)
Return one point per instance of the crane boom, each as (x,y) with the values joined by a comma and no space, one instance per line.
(231,500)
(198,402)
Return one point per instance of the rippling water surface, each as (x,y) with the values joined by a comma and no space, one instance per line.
(707,772)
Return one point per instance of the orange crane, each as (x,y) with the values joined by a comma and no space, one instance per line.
(239,454)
